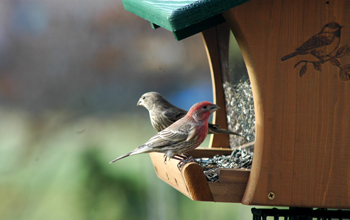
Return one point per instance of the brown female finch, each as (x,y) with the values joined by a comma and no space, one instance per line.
(163,114)
(183,135)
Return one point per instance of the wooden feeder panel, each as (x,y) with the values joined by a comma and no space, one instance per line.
(302,102)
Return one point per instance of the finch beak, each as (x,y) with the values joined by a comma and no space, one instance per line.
(213,108)
(139,103)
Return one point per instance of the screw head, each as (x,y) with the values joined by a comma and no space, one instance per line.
(271,195)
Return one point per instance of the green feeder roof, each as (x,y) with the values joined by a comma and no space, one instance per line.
(182,17)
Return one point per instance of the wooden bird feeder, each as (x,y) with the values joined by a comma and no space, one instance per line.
(297,54)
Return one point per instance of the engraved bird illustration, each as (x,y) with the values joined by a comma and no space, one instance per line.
(320,45)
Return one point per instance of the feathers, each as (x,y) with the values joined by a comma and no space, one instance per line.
(163,114)
(183,135)
(121,157)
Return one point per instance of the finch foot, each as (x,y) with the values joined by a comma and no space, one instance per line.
(165,158)
(184,160)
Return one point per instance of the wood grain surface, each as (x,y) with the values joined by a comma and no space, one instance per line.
(190,180)
(302,100)
(231,186)
(216,42)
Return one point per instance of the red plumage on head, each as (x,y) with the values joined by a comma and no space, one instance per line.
(200,111)
(197,106)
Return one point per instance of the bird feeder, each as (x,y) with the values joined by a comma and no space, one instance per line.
(297,54)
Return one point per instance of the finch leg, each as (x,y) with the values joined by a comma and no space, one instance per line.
(180,157)
(176,157)
(185,157)
(165,158)
(183,160)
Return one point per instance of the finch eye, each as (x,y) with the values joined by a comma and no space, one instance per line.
(204,107)
(144,97)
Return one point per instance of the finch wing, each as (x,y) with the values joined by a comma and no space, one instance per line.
(174,114)
(169,137)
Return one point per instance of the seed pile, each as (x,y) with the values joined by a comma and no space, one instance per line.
(239,159)
(240,112)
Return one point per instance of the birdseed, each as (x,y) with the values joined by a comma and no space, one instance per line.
(240,112)
(238,159)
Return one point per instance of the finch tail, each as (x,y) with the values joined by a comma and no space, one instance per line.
(121,157)
(141,149)
(289,56)
(215,129)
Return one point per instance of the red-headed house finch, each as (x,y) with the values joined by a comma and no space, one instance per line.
(162,113)
(185,134)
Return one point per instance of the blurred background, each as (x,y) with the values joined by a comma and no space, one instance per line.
(71,73)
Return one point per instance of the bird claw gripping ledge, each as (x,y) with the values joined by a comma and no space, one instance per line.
(185,160)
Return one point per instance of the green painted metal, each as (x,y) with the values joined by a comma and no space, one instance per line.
(182,17)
